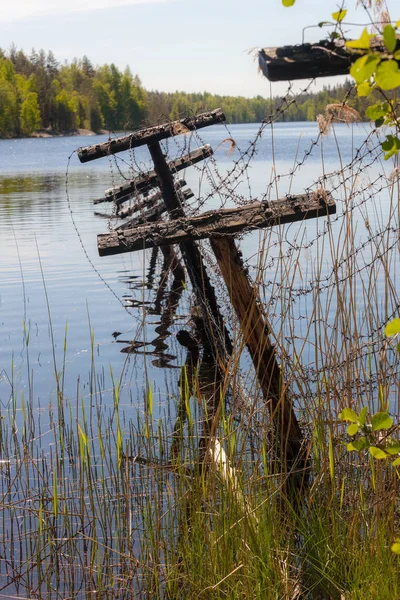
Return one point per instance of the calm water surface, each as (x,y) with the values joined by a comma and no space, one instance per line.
(54,284)
(63,309)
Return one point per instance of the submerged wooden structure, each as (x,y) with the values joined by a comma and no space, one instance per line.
(146,230)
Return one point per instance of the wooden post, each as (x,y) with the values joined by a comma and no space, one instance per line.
(194,261)
(255,329)
(146,181)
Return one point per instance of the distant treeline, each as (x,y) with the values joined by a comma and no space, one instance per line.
(36,92)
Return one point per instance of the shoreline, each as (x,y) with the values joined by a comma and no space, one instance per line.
(49,133)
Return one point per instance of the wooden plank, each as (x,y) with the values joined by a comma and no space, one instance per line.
(304,61)
(215,223)
(144,183)
(150,135)
(155,211)
(255,329)
(147,201)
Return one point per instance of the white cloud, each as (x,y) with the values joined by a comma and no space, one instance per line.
(13,10)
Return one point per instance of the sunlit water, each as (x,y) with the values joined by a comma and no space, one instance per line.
(54,284)
(69,317)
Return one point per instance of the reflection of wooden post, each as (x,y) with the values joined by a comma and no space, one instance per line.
(255,328)
(217,333)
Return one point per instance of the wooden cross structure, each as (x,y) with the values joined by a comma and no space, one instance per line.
(147,230)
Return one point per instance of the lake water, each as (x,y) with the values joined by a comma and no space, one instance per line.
(48,247)
(68,317)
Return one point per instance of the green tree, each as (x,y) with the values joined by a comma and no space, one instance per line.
(30,114)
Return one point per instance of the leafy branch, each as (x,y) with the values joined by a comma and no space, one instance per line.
(375,69)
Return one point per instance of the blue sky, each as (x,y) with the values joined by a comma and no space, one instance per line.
(172,44)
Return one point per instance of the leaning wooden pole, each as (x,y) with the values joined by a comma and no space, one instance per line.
(255,329)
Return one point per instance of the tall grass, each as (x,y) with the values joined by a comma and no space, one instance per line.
(99,502)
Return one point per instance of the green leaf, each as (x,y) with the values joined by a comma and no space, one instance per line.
(389,37)
(364,88)
(387,75)
(363,416)
(398,347)
(396,462)
(362,43)
(392,328)
(364,67)
(396,547)
(392,447)
(348,414)
(376,111)
(379,122)
(353,429)
(397,55)
(391,146)
(323,23)
(288,2)
(397,24)
(339,15)
(358,445)
(381,420)
(377,452)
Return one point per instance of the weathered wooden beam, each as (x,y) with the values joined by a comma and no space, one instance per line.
(147,181)
(147,201)
(149,135)
(304,61)
(215,223)
(255,329)
(156,211)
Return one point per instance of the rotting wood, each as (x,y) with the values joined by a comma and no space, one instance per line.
(255,329)
(157,210)
(149,135)
(146,201)
(304,61)
(215,223)
(147,181)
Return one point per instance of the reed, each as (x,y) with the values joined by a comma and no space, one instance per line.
(99,500)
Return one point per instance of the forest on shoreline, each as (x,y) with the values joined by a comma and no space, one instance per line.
(38,93)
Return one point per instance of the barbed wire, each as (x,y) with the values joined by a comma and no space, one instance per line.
(355,185)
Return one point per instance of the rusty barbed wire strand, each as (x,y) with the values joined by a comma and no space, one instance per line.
(357,184)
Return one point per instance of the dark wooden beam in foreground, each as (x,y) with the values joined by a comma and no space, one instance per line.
(144,183)
(215,223)
(149,135)
(305,61)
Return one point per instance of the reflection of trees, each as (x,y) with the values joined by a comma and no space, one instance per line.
(21,193)
(28,184)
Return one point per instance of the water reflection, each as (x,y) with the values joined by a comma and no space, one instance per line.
(27,183)
(165,304)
